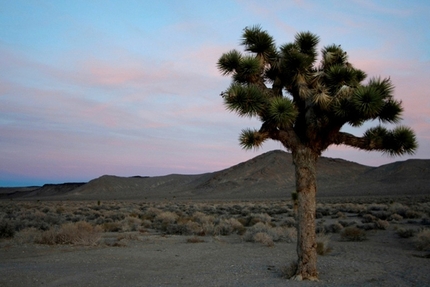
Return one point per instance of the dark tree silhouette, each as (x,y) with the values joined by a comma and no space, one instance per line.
(303,103)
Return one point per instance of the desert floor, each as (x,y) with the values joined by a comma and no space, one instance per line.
(150,257)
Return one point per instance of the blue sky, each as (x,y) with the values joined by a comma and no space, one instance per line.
(131,87)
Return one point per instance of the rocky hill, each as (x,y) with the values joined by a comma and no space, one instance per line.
(270,175)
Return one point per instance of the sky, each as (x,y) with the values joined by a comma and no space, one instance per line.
(129,88)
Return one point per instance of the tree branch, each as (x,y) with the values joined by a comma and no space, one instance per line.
(357,142)
(286,136)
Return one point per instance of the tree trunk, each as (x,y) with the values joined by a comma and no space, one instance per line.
(305,166)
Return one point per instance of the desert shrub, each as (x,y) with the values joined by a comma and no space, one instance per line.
(283,234)
(288,271)
(381,224)
(276,233)
(333,228)
(382,214)
(146,223)
(395,217)
(377,207)
(412,214)
(112,226)
(324,211)
(7,229)
(353,234)
(323,247)
(80,233)
(27,235)
(368,218)
(131,223)
(398,208)
(115,216)
(229,226)
(166,217)
(47,237)
(405,232)
(259,217)
(257,228)
(202,218)
(422,240)
(174,228)
(263,238)
(208,228)
(194,228)
(151,213)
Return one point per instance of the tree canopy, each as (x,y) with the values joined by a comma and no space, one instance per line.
(302,98)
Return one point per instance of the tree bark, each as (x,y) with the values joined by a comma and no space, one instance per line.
(305,167)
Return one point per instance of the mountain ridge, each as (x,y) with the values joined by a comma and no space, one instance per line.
(269,175)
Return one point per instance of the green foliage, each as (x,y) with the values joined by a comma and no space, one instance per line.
(251,139)
(245,100)
(282,112)
(229,62)
(258,41)
(300,101)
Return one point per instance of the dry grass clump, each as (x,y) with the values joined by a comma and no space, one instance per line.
(422,240)
(382,224)
(111,227)
(228,226)
(79,233)
(288,271)
(263,238)
(27,236)
(406,232)
(353,234)
(323,247)
(275,233)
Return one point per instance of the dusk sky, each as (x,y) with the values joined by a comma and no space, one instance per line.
(128,88)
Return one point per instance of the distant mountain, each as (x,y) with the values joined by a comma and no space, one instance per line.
(270,175)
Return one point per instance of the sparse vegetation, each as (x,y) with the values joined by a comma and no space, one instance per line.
(288,271)
(323,247)
(353,234)
(266,222)
(422,240)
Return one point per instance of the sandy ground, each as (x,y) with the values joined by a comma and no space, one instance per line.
(155,260)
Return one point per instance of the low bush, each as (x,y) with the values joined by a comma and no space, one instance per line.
(381,224)
(112,227)
(405,232)
(7,229)
(422,240)
(353,234)
(288,271)
(263,238)
(79,233)
(323,247)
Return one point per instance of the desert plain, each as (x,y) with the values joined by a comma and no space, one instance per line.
(235,227)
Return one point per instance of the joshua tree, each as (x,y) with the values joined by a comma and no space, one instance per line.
(304,103)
